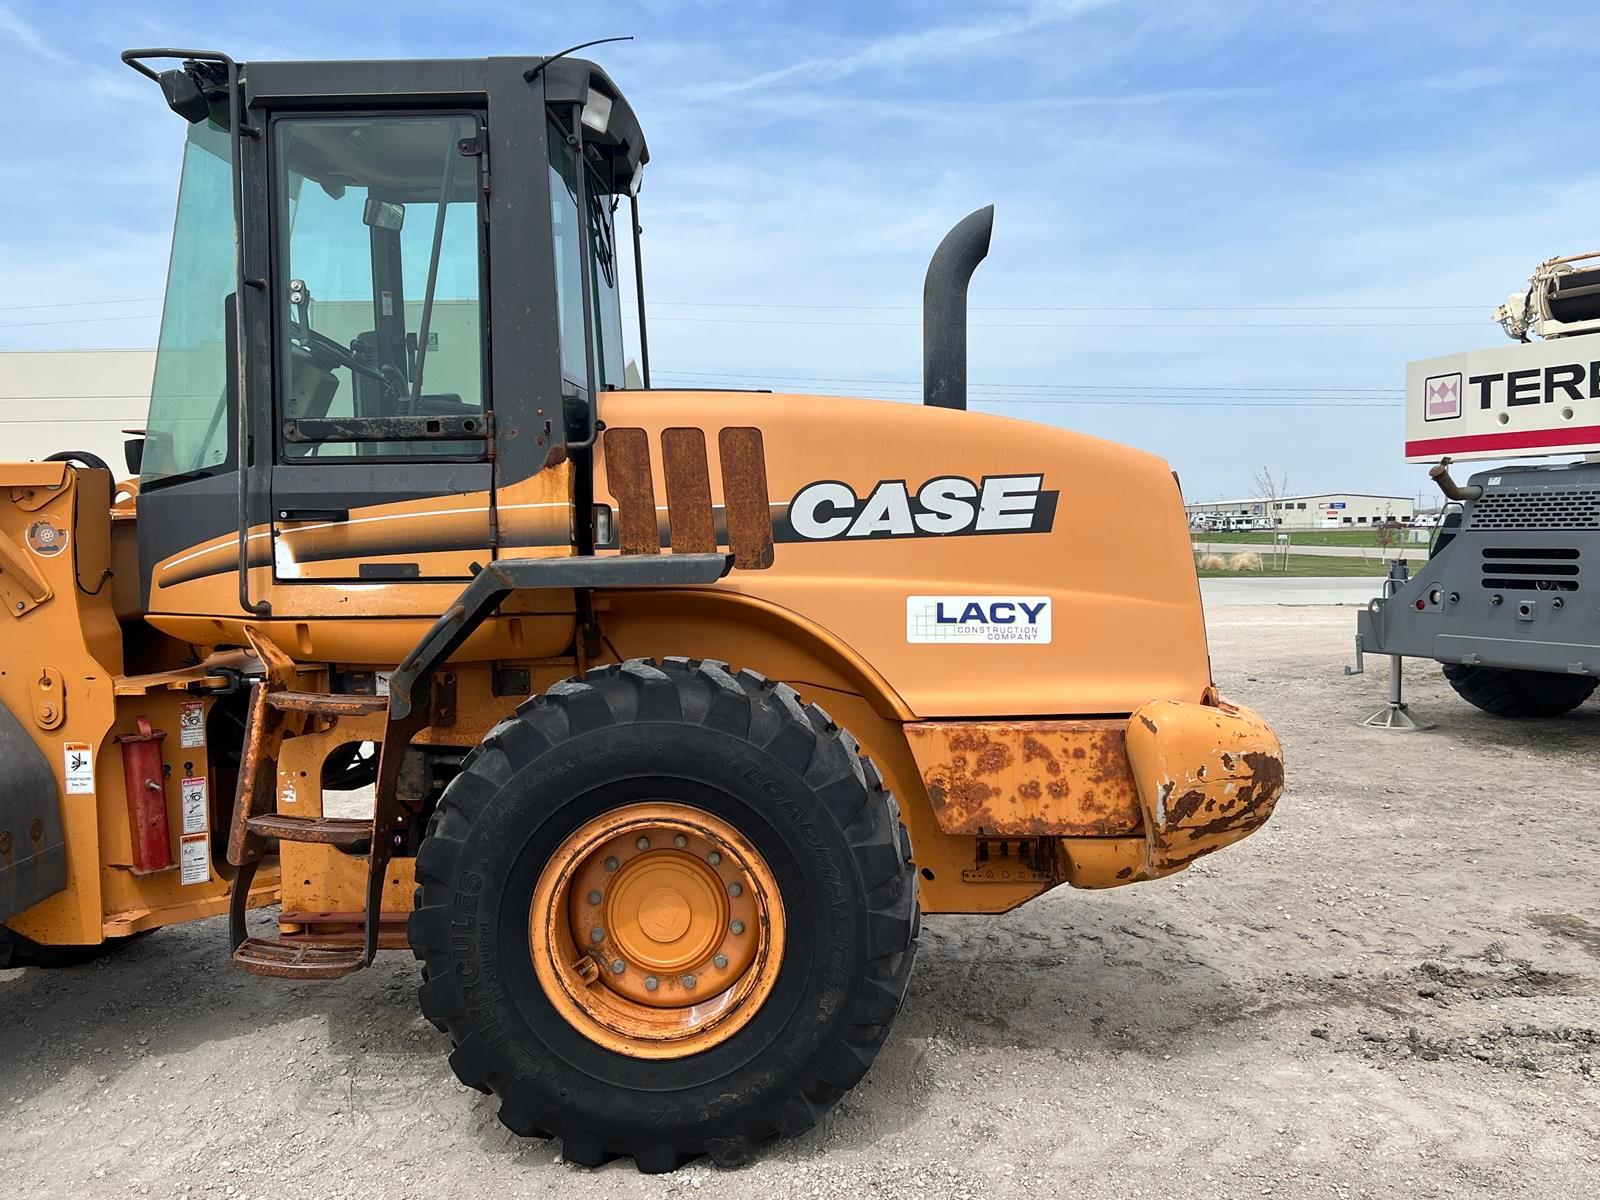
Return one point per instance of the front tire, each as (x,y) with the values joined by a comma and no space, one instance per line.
(678,825)
(1506,692)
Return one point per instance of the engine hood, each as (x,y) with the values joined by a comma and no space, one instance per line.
(983,565)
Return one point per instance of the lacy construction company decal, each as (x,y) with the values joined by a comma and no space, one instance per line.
(969,620)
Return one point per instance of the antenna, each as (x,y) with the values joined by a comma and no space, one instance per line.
(532,73)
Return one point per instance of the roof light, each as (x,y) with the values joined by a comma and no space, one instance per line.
(597,111)
(638,178)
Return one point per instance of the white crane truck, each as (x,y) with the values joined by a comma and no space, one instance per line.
(1509,599)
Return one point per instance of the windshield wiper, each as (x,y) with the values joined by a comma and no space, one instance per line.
(604,241)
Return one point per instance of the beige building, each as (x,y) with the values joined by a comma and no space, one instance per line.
(54,400)
(1323,510)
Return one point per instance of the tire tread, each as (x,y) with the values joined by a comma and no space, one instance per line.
(743,704)
(1505,692)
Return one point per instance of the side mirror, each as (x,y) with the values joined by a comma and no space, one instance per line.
(133,451)
(383,214)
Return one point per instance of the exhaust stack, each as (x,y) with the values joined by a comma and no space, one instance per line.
(944,309)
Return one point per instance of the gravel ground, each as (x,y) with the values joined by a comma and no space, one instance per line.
(1389,991)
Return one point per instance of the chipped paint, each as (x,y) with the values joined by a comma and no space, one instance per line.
(1209,775)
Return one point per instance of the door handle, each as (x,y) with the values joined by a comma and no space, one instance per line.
(313,514)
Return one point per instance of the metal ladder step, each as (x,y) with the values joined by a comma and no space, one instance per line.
(345,832)
(343,929)
(285,960)
(327,703)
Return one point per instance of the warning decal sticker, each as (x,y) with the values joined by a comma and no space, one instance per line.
(79,763)
(191,723)
(193,791)
(194,863)
(46,540)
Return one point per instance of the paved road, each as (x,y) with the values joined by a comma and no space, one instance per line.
(1412,551)
(1257,589)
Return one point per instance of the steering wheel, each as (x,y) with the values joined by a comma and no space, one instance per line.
(326,352)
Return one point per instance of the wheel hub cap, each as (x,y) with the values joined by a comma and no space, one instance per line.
(656,930)
(664,915)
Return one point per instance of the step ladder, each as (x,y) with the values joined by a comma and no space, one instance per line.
(256,821)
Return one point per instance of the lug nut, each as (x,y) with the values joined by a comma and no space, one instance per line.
(594,897)
(688,981)
(735,889)
(737,927)
(618,966)
(651,983)
(643,843)
(680,841)
(713,858)
(721,961)
(611,864)
(597,935)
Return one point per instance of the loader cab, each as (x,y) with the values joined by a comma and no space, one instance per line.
(408,343)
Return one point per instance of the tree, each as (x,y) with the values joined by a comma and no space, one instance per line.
(1386,533)
(1272,488)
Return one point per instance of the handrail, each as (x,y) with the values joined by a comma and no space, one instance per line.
(638,285)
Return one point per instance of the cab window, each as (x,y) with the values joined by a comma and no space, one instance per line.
(586,244)
(189,430)
(379,281)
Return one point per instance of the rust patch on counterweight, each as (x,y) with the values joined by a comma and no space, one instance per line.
(1027,778)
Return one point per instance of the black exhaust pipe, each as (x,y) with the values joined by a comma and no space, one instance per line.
(944,309)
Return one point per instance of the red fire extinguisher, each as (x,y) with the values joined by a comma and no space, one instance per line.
(147,799)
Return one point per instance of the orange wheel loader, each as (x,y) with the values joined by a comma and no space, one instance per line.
(649,719)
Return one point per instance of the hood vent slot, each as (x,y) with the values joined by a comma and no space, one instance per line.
(1519,569)
(1542,509)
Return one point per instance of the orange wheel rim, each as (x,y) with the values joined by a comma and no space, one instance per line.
(656,930)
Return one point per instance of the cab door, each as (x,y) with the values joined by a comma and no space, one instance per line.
(382,421)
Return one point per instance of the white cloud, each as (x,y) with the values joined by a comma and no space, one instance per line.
(18,30)
(911,48)
(1467,79)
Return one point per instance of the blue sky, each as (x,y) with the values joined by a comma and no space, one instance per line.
(1200,202)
